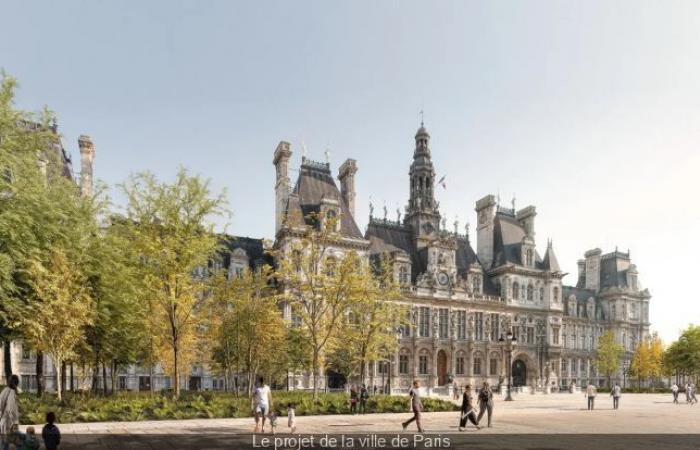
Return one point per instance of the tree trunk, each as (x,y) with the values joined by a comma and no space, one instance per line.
(7,359)
(57,363)
(63,376)
(72,378)
(113,372)
(104,379)
(176,372)
(315,373)
(95,371)
(39,373)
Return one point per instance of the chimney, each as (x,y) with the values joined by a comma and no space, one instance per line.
(281,162)
(346,175)
(87,156)
(526,217)
(581,282)
(593,269)
(485,210)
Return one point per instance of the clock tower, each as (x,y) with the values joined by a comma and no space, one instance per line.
(422,211)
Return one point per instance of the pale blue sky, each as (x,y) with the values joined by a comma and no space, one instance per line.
(588,110)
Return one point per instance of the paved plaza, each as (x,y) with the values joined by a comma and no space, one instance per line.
(538,416)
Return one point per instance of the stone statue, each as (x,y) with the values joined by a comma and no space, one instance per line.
(419,202)
(444,223)
(466,229)
(453,324)
(398,215)
(436,324)
(385,212)
(371,209)
(456,224)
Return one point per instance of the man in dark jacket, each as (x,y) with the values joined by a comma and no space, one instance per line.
(467,410)
(485,403)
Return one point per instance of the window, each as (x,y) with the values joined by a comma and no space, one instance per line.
(459,369)
(495,327)
(530,335)
(383,367)
(477,366)
(122,383)
(28,382)
(555,336)
(296,260)
(581,366)
(529,257)
(530,293)
(403,275)
(424,321)
(461,324)
(563,340)
(330,266)
(476,284)
(516,290)
(573,341)
(403,364)
(478,326)
(564,367)
(405,328)
(444,322)
(493,366)
(26,351)
(541,294)
(555,294)
(423,364)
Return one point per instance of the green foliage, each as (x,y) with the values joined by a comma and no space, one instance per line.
(127,406)
(608,356)
(683,356)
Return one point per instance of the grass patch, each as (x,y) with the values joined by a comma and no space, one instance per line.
(130,406)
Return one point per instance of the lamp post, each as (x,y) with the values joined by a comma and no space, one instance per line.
(509,340)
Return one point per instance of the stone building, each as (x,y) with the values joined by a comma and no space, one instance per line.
(465,295)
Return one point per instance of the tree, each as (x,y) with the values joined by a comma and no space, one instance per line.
(56,323)
(608,355)
(640,365)
(373,320)
(319,284)
(171,226)
(683,355)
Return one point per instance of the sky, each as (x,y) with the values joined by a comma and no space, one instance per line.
(589,110)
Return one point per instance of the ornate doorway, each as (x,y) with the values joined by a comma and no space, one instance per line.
(442,368)
(519,373)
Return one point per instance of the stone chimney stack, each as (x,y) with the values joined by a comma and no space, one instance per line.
(526,217)
(486,211)
(281,162)
(346,175)
(87,156)
(593,269)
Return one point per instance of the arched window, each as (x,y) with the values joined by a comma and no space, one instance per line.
(555,294)
(530,293)
(516,290)
(403,275)
(476,284)
(613,312)
(541,294)
(528,259)
(330,266)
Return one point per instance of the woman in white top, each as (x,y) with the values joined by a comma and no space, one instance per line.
(262,404)
(9,408)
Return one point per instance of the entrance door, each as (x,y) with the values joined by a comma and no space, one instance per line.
(519,373)
(442,368)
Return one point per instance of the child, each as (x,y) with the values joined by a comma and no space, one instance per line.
(15,438)
(291,417)
(273,420)
(50,433)
(31,442)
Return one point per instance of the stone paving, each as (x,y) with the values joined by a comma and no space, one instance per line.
(528,414)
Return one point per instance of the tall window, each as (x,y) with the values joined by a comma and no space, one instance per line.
(493,366)
(516,290)
(555,336)
(541,294)
(477,366)
(495,327)
(444,318)
(529,257)
(530,335)
(405,328)
(403,364)
(403,275)
(555,294)
(461,324)
(424,321)
(459,369)
(476,284)
(564,367)
(479,326)
(530,293)
(563,340)
(26,351)
(423,364)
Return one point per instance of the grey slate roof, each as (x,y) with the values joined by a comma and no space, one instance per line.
(387,237)
(550,260)
(610,276)
(508,235)
(315,182)
(252,246)
(582,296)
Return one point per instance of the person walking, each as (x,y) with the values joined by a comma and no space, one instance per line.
(485,403)
(674,391)
(364,396)
(687,392)
(615,394)
(262,404)
(353,399)
(9,409)
(416,407)
(591,392)
(455,390)
(467,411)
(693,398)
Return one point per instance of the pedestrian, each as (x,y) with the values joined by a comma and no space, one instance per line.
(693,398)
(416,407)
(364,396)
(31,442)
(274,414)
(467,411)
(353,399)
(615,394)
(455,391)
(591,392)
(485,403)
(50,433)
(674,391)
(687,392)
(262,404)
(9,409)
(291,417)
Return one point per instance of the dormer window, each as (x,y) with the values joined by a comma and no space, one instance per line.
(403,275)
(529,258)
(516,290)
(476,284)
(555,294)
(530,293)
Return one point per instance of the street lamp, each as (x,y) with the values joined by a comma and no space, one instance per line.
(509,340)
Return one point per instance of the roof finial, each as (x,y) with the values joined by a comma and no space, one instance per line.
(512,202)
(466,229)
(303,149)
(385,211)
(371,207)
(398,213)
(327,153)
(456,224)
(421,117)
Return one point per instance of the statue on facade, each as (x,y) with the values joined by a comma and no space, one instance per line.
(436,324)
(371,209)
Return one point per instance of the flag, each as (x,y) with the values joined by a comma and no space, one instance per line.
(442,182)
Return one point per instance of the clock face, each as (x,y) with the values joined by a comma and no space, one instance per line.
(443,278)
(428,228)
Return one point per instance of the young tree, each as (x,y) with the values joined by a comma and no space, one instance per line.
(56,323)
(608,356)
(251,332)
(319,285)
(171,226)
(640,365)
(683,355)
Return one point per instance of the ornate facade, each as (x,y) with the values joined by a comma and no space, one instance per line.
(465,301)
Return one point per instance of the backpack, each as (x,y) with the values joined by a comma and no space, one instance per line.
(364,394)
(484,395)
